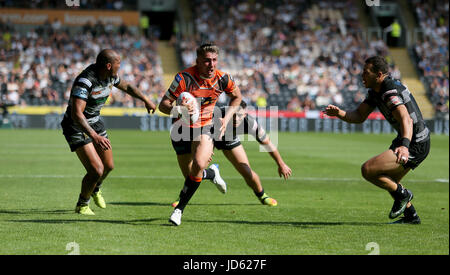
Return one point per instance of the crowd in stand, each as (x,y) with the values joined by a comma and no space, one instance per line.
(432,52)
(297,54)
(61,4)
(39,68)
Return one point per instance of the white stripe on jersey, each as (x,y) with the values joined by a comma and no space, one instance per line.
(169,95)
(255,126)
(93,119)
(406,96)
(394,91)
(85,81)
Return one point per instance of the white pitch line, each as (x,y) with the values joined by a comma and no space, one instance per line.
(231,178)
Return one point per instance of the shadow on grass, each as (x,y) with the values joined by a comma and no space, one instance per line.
(32,211)
(164,221)
(303,224)
(59,221)
(82,219)
(168,204)
(134,203)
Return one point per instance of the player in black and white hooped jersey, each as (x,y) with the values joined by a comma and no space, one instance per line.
(84,129)
(408,149)
(230,144)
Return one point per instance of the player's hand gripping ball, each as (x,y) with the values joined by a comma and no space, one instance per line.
(186,117)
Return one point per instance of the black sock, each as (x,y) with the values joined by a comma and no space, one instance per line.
(259,194)
(97,187)
(190,186)
(208,174)
(82,201)
(399,193)
(410,212)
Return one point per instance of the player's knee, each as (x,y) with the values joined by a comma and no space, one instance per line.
(96,172)
(199,164)
(108,168)
(366,171)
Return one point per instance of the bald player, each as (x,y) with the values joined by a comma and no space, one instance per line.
(84,129)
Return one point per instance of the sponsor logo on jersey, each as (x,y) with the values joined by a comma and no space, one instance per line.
(390,92)
(175,83)
(100,90)
(80,92)
(207,100)
(394,101)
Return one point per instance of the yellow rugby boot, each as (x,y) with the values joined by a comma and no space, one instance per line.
(98,199)
(266,200)
(84,210)
(175,203)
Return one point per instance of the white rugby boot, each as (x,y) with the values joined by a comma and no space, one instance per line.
(218,181)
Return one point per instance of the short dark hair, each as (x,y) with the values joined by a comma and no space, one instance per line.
(207,47)
(378,63)
(243,104)
(106,56)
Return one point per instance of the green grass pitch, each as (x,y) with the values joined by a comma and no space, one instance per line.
(325,208)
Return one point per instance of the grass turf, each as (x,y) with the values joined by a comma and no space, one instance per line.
(325,208)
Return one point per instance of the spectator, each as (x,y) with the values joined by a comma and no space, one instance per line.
(442,108)
(40,71)
(432,51)
(84,4)
(261,101)
(294,48)
(294,105)
(308,104)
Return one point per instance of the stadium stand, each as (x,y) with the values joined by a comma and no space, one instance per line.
(38,68)
(58,4)
(295,54)
(431,53)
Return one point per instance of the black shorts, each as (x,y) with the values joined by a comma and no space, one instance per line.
(227,145)
(182,137)
(417,152)
(76,137)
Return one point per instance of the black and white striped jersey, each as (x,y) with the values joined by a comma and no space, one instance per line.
(249,126)
(87,86)
(392,94)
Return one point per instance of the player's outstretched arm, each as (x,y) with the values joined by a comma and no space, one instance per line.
(134,92)
(235,101)
(356,116)
(283,170)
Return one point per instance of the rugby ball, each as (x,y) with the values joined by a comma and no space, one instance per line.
(185,117)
